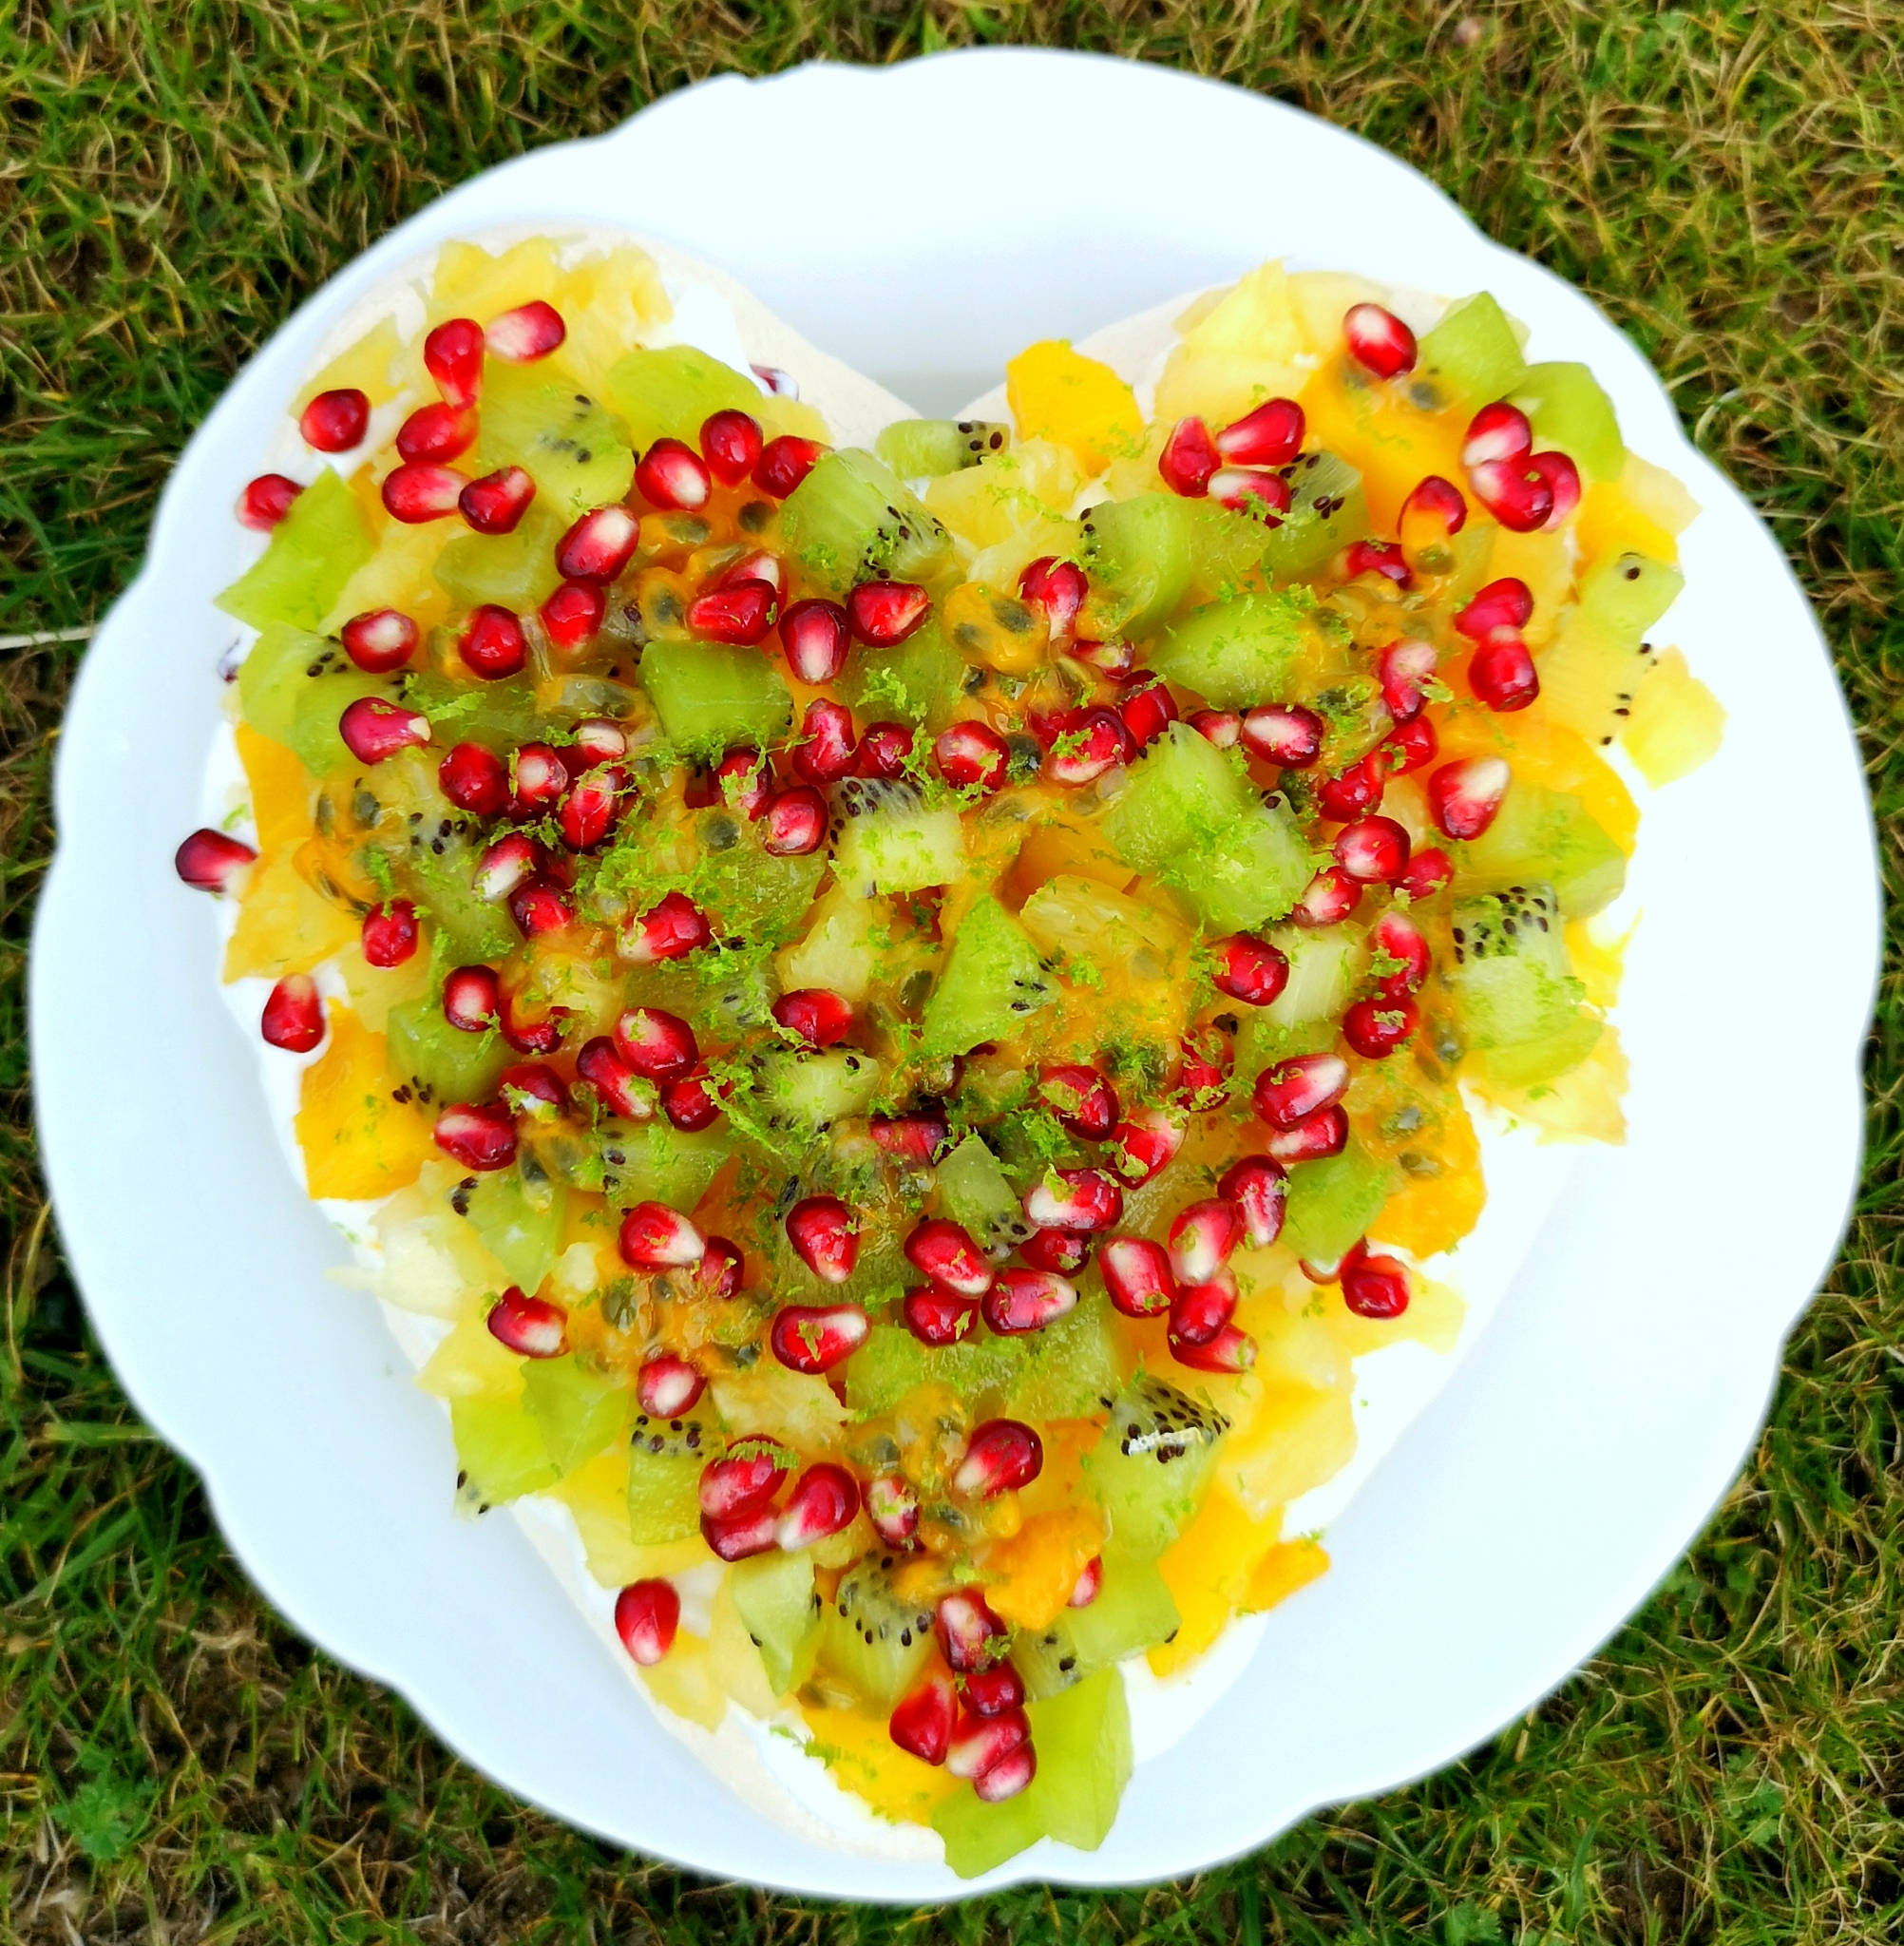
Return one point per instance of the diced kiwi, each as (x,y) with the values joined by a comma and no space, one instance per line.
(499,1454)
(1589,672)
(1133,1611)
(714,697)
(977,1194)
(1521,1007)
(1181,793)
(873,1636)
(281,664)
(1153,1464)
(1234,654)
(1550,835)
(665,1457)
(1628,593)
(518,1212)
(1327,510)
(515,570)
(314,550)
(1472,354)
(441,886)
(660,1163)
(579,1412)
(1333,1201)
(1069,1366)
(774,1596)
(849,519)
(1140,554)
(916,682)
(500,716)
(799,1095)
(892,1361)
(892,841)
(990,986)
(1325,968)
(1255,871)
(924,448)
(440,1063)
(1572,412)
(574,449)
(748,892)
(670,391)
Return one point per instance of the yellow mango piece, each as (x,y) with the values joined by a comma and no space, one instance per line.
(1608,523)
(686,1681)
(472,282)
(1057,848)
(374,990)
(1676,724)
(1392,443)
(280,790)
(862,1758)
(1208,1568)
(1008,494)
(1434,1317)
(1584,1104)
(399,574)
(284,926)
(1599,965)
(1543,751)
(1301,1438)
(1659,496)
(1246,348)
(472,1364)
(597,1494)
(1029,1577)
(372,366)
(357,1141)
(1288,1566)
(1059,395)
(1426,1214)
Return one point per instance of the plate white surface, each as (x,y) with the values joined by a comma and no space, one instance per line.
(1588,1432)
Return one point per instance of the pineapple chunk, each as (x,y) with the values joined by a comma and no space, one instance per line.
(469,1364)
(1676,725)
(1247,348)
(470,282)
(372,366)
(284,924)
(1659,495)
(686,1681)
(1321,298)
(1007,494)
(1302,1438)
(1079,403)
(1583,1105)
(596,1494)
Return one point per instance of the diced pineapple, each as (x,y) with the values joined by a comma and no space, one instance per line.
(1610,524)
(372,366)
(1584,1104)
(791,1406)
(374,990)
(432,1259)
(1544,563)
(1302,1438)
(1059,395)
(1599,965)
(357,1141)
(1247,348)
(795,417)
(836,952)
(1659,496)
(609,302)
(1321,298)
(1676,725)
(469,1364)
(284,926)
(1001,565)
(1029,1577)
(596,1494)
(1008,493)
(472,282)
(734,1658)
(399,574)
(686,1681)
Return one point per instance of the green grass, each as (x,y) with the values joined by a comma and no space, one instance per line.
(177,1764)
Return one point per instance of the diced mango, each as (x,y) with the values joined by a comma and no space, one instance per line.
(1208,1570)
(1288,1566)
(280,791)
(284,926)
(1599,965)
(1429,1213)
(1391,442)
(1059,395)
(1676,725)
(1542,752)
(1302,1438)
(862,1758)
(357,1141)
(1029,1577)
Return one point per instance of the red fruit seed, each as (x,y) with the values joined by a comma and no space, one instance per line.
(1001,1455)
(1144,1143)
(784,463)
(667,1385)
(1373,850)
(816,636)
(971,756)
(474,779)
(1189,458)
(1270,436)
(670,928)
(938,1317)
(420,490)
(1253,490)
(1259,1188)
(966,1628)
(210,861)
(797,822)
(1463,798)
(379,641)
(530,332)
(493,643)
(646,1616)
(373,729)
(826,1237)
(452,354)
(436,432)
(921,1723)
(471,997)
(882,614)
(294,1015)
(824,1499)
(1202,1238)
(599,545)
(731,443)
(530,1327)
(1081,1098)
(1374,1286)
(1514,492)
(480,1135)
(1293,1089)
(673,475)
(390,933)
(658,1046)
(497,501)
(265,500)
(336,421)
(1291,736)
(654,1237)
(1499,431)
(1249,969)
(816,1015)
(815,1338)
(1378,340)
(1312,1139)
(1375,1028)
(738,612)
(1136,1275)
(942,1250)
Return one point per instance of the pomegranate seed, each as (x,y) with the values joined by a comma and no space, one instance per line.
(992,1690)
(966,1628)
(671,474)
(893,1508)
(1463,798)
(1231,1350)
(654,1237)
(938,1317)
(1202,1073)
(1376,557)
(1001,1455)
(530,1327)
(541,776)
(210,861)
(824,750)
(573,614)
(744,1479)
(1243,490)
(1061,1252)
(390,933)
(941,1250)
(587,814)
(1202,1238)
(759,566)
(1295,1089)
(646,1615)
(814,1338)
(621,1090)
(1081,1098)
(971,756)
(1353,791)
(826,1498)
(336,421)
(979,1742)
(1401,669)
(265,500)
(739,612)
(1496,433)
(1058,587)
(1083,1199)
(1375,1028)
(479,1135)
(1398,938)
(1514,492)
(816,1015)
(540,906)
(692,1102)
(1505,604)
(474,779)
(294,1015)
(1148,713)
(1412,747)
(1090,743)
(1372,851)
(1428,872)
(471,997)
(530,332)
(911,1137)
(1249,969)
(882,613)
(1022,1301)
(1116,660)
(670,928)
(533,1089)
(1374,1286)
(379,641)
(1378,340)
(658,1046)
(438,432)
(419,491)
(1563,482)
(599,545)
(1259,1188)
(921,1723)
(1437,502)
(1312,1139)
(373,729)
(731,443)
(1270,436)
(452,354)
(1085,1591)
(1145,1142)
(1010,1775)
(886,749)
(825,1235)
(1501,672)
(599,740)
(1223,727)
(1332,895)
(1291,736)
(741,780)
(529,1035)
(784,463)
(797,822)
(720,1273)
(742,1535)
(816,636)
(493,643)
(1189,458)
(1136,1275)
(507,863)
(1199,1311)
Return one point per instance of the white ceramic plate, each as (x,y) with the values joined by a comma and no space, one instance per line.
(1584,1439)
